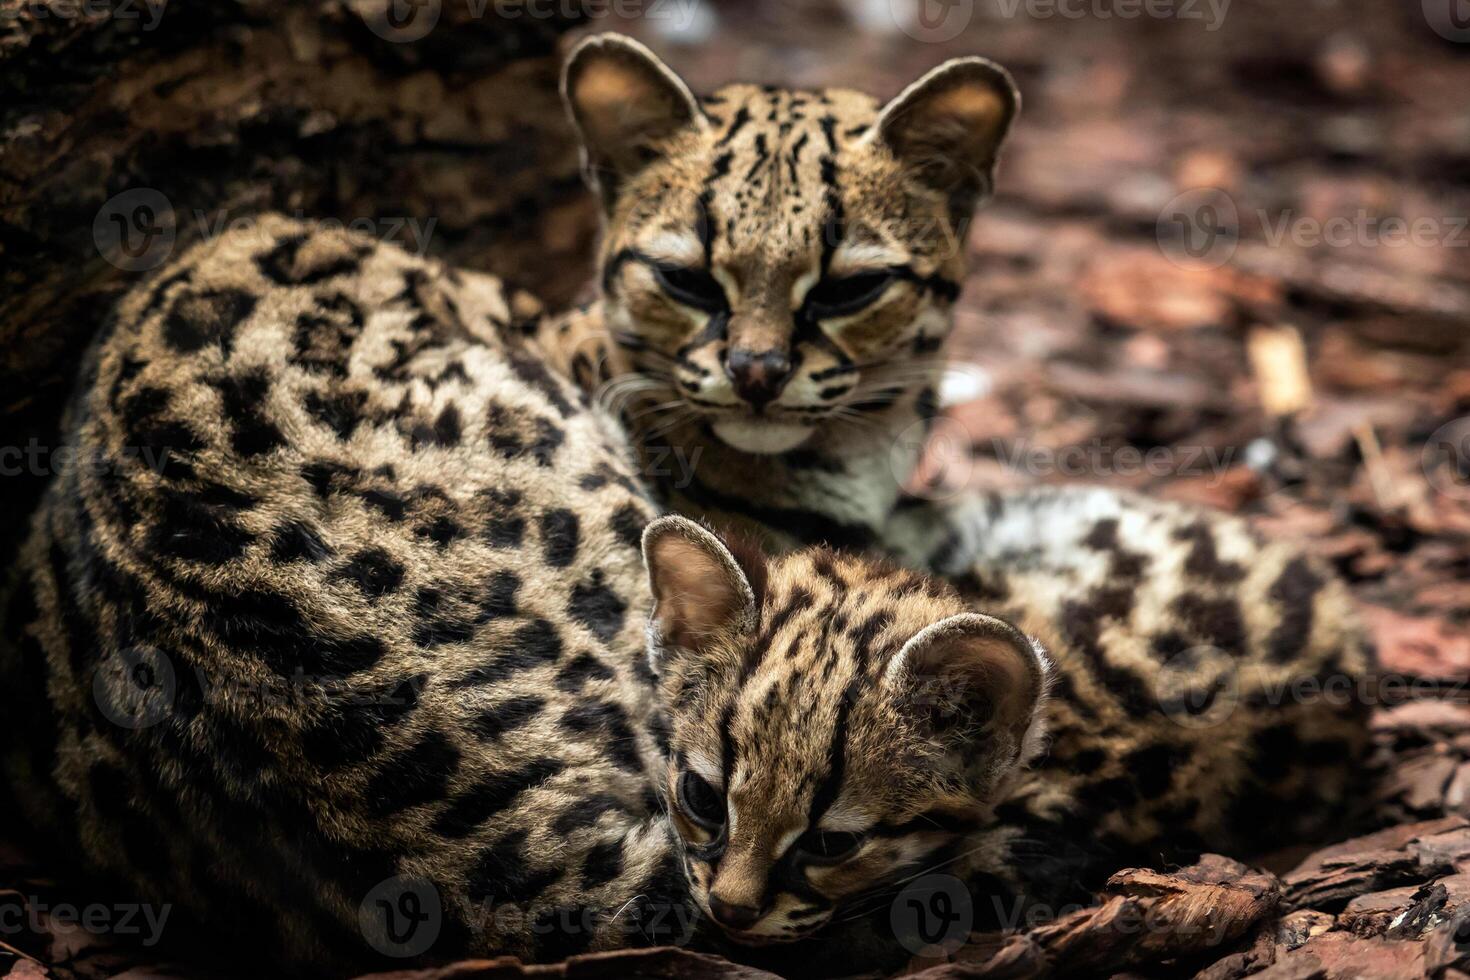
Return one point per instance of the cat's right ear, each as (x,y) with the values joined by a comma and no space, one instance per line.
(624,103)
(701,592)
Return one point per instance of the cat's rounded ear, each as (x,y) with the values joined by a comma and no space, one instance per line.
(973,678)
(947,129)
(701,592)
(624,102)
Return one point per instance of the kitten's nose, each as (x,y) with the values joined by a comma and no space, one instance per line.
(759,376)
(737,917)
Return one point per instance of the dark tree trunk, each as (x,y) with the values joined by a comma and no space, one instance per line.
(130,128)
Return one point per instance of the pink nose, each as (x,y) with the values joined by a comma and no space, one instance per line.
(758,376)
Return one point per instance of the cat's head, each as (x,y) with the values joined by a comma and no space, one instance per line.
(837,723)
(777,258)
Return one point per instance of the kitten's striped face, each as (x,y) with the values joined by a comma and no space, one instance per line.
(838,725)
(777,260)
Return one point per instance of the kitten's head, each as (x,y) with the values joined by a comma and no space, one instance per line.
(836,722)
(779,258)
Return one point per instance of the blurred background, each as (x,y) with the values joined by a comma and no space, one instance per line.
(1228,260)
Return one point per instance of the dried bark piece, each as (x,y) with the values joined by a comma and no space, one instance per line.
(1386,859)
(1343,956)
(1145,917)
(1295,928)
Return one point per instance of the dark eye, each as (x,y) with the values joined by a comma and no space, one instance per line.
(828,845)
(700,801)
(838,297)
(692,287)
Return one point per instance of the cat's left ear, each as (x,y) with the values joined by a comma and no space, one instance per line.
(947,129)
(702,592)
(624,102)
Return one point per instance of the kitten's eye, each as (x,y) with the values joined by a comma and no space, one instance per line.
(692,287)
(839,297)
(828,845)
(701,802)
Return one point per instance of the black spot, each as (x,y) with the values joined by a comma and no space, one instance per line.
(597,607)
(352,732)
(244,397)
(166,445)
(492,795)
(534,373)
(504,873)
(583,668)
(1204,561)
(297,541)
(390,504)
(445,431)
(326,477)
(341,411)
(373,571)
(585,812)
(1295,590)
(865,634)
(602,864)
(1216,621)
(510,713)
(192,530)
(609,720)
(286,265)
(441,530)
(530,646)
(211,317)
(1103,536)
(505,530)
(500,596)
(627,523)
(559,537)
(433,633)
(414,777)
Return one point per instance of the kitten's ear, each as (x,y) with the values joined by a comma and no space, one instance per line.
(973,677)
(623,102)
(700,590)
(947,129)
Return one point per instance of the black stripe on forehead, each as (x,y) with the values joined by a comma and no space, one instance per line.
(742,116)
(826,793)
(727,742)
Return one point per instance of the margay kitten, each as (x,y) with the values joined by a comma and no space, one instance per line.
(370,488)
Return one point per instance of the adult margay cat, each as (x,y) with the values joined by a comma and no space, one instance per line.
(349,611)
